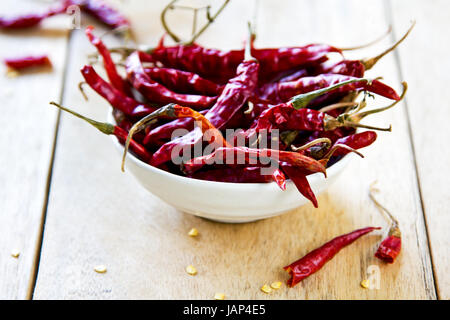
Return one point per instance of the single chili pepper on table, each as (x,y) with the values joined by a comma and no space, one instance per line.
(109,129)
(116,98)
(100,10)
(22,63)
(316,259)
(158,93)
(29,20)
(391,246)
(110,67)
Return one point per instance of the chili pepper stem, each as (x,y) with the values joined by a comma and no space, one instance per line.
(370,62)
(356,117)
(338,105)
(104,127)
(80,87)
(386,212)
(167,110)
(312,143)
(302,100)
(328,156)
(368,44)
(352,119)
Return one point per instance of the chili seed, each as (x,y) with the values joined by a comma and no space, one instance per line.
(365,284)
(100,269)
(193,232)
(191,270)
(276,285)
(219,296)
(15,253)
(266,289)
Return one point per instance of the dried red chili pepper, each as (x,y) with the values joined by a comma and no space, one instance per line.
(280,92)
(158,93)
(390,247)
(234,95)
(234,175)
(30,20)
(286,117)
(356,141)
(110,67)
(249,156)
(109,129)
(116,98)
(298,176)
(183,81)
(28,62)
(221,65)
(316,259)
(101,11)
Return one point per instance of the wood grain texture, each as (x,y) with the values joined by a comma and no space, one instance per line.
(423,61)
(97,215)
(26,145)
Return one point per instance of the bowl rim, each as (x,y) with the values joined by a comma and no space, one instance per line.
(331,171)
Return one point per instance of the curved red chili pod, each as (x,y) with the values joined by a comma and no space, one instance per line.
(158,93)
(183,81)
(116,98)
(301,182)
(316,259)
(356,141)
(110,67)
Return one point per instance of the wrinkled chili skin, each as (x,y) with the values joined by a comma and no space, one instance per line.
(115,97)
(235,93)
(221,65)
(110,67)
(249,156)
(355,141)
(158,93)
(389,249)
(183,81)
(142,153)
(100,10)
(280,92)
(316,259)
(284,117)
(28,62)
(233,175)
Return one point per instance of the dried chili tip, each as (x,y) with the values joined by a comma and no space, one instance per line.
(390,247)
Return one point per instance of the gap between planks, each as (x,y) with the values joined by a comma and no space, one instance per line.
(433,293)
(37,258)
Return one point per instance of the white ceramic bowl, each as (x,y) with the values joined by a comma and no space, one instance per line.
(222,201)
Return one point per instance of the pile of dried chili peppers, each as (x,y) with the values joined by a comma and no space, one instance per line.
(245,116)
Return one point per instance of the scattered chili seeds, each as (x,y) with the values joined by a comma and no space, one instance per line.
(276,285)
(266,289)
(100,269)
(365,284)
(193,232)
(191,270)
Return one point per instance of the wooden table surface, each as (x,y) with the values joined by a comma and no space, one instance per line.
(66,206)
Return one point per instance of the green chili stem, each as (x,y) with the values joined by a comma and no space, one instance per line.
(312,143)
(104,127)
(302,100)
(370,62)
